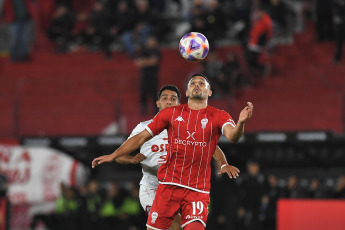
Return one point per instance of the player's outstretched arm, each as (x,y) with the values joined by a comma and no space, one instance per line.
(233,134)
(219,156)
(125,160)
(126,148)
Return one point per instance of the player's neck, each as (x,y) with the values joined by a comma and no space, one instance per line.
(197,104)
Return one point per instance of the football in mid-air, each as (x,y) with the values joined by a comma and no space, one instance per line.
(194,46)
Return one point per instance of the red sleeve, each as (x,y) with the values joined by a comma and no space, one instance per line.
(224,119)
(257,29)
(159,122)
(270,28)
(264,25)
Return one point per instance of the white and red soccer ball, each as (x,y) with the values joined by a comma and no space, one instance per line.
(194,46)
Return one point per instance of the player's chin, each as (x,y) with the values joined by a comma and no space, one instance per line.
(197,97)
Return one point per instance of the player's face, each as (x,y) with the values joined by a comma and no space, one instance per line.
(198,88)
(168,98)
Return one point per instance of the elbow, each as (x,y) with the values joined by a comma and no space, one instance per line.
(234,140)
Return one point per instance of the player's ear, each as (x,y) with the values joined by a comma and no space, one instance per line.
(157,103)
(210,93)
(187,95)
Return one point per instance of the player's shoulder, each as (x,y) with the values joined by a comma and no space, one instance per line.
(173,108)
(215,110)
(141,126)
(145,123)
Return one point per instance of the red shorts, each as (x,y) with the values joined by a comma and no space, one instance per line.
(170,199)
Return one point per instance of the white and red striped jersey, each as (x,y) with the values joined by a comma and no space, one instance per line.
(155,152)
(192,136)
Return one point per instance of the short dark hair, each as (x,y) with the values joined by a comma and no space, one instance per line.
(200,75)
(169,87)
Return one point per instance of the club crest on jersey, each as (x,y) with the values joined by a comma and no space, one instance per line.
(204,123)
(179,118)
(154,217)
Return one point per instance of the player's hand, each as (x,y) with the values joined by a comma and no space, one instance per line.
(101,160)
(232,171)
(246,113)
(138,158)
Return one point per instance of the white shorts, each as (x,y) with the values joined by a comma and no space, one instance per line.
(146,196)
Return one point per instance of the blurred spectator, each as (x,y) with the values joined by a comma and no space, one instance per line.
(3,184)
(231,76)
(92,204)
(144,19)
(259,36)
(66,212)
(340,187)
(97,34)
(60,31)
(224,194)
(82,21)
(67,209)
(324,23)
(253,187)
(241,18)
(268,203)
(18,14)
(339,22)
(215,22)
(278,12)
(4,208)
(122,22)
(293,189)
(243,219)
(149,64)
(319,191)
(131,212)
(111,209)
(198,18)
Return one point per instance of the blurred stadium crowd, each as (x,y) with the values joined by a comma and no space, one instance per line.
(92,206)
(250,202)
(70,24)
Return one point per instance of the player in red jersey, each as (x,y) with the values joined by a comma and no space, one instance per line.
(193,132)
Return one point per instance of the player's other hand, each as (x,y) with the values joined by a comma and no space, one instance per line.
(232,171)
(101,160)
(138,158)
(246,113)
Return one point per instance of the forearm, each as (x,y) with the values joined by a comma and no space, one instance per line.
(219,156)
(131,145)
(125,160)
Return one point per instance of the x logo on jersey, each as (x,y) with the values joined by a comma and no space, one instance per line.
(190,135)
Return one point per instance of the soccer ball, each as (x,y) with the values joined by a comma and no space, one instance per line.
(194,46)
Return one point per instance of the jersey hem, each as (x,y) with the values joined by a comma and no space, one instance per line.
(153,227)
(193,221)
(184,186)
